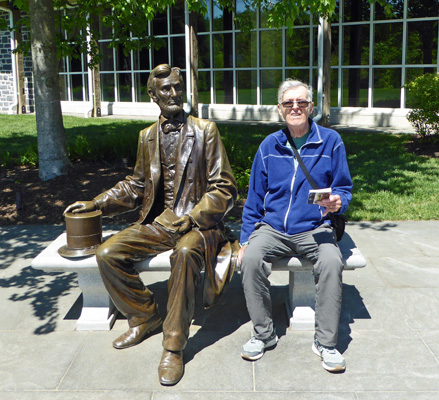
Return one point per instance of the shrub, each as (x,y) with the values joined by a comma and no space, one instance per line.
(423,94)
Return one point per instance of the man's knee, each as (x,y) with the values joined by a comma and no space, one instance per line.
(252,264)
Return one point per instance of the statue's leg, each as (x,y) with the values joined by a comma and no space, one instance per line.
(187,261)
(116,258)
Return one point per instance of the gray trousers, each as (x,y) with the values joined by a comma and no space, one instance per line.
(320,247)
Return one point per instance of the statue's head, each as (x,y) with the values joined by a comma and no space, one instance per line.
(165,87)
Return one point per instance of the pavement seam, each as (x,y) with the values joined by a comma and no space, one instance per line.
(71,362)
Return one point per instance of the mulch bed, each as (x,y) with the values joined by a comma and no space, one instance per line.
(25,199)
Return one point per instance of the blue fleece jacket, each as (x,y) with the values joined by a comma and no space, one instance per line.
(278,189)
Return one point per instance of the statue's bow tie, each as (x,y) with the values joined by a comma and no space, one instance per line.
(171,125)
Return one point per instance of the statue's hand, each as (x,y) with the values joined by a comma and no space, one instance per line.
(184,224)
(81,207)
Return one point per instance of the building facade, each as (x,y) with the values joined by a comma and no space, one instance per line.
(373,55)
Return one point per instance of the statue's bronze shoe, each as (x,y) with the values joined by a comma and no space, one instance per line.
(171,367)
(136,334)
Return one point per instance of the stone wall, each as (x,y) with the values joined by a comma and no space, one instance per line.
(7,91)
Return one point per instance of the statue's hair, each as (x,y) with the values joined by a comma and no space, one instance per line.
(291,84)
(162,71)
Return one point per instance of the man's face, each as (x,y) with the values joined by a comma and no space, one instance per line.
(295,114)
(169,95)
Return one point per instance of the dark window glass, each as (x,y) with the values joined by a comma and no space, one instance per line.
(160,56)
(222,19)
(334,45)
(123,61)
(223,87)
(271,48)
(246,86)
(355,87)
(77,86)
(203,20)
(223,50)
(356,10)
(204,87)
(356,45)
(63,87)
(422,8)
(298,74)
(387,87)
(142,87)
(270,81)
(297,48)
(203,51)
(388,40)
(160,24)
(246,50)
(141,59)
(334,87)
(421,43)
(177,17)
(107,63)
(178,52)
(75,63)
(107,87)
(124,83)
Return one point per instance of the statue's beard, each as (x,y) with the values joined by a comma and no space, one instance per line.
(171,109)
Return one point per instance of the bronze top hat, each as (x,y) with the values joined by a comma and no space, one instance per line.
(84,234)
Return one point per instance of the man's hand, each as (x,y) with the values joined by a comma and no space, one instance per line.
(332,204)
(241,253)
(80,207)
(184,223)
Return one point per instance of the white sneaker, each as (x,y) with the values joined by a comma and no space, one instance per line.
(332,360)
(254,349)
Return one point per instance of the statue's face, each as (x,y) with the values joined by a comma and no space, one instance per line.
(169,95)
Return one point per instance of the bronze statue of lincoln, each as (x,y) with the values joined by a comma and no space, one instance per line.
(184,186)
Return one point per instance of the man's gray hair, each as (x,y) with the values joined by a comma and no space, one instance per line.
(291,84)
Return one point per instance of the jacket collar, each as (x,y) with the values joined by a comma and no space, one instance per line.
(314,135)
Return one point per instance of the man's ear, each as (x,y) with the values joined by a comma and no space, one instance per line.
(152,95)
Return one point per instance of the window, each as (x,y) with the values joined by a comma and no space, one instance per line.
(374,53)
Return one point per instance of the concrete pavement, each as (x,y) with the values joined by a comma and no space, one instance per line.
(389,332)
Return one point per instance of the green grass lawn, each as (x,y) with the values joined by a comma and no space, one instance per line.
(389,182)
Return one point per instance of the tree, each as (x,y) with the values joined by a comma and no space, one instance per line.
(52,146)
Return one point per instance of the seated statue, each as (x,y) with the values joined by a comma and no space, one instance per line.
(184,186)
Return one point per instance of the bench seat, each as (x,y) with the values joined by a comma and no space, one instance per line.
(99,313)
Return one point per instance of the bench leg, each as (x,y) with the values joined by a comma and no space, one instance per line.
(301,302)
(98,311)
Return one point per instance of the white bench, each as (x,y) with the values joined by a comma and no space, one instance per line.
(99,313)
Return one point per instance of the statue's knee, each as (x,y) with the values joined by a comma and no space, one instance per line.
(103,252)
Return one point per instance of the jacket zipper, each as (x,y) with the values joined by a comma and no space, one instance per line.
(291,195)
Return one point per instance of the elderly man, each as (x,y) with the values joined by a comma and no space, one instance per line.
(184,185)
(278,221)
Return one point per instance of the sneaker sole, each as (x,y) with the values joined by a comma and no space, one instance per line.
(258,356)
(339,368)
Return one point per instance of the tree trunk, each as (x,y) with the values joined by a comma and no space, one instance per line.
(52,146)
(19,63)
